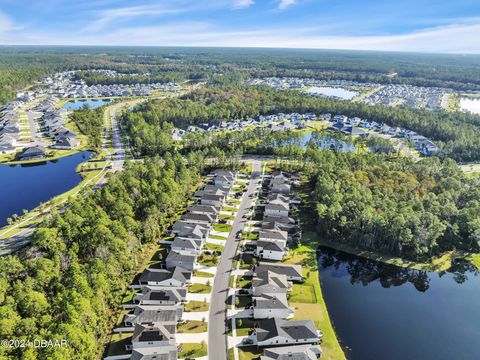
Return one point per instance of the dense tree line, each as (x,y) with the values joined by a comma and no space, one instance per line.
(394,205)
(454,132)
(91,123)
(20,66)
(64,285)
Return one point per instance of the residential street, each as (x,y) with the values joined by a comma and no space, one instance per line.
(217,337)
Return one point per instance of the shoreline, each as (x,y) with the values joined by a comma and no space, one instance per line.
(438,264)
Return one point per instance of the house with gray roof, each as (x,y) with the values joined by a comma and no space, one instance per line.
(278,332)
(176,277)
(154,336)
(270,306)
(270,283)
(294,352)
(156,295)
(292,272)
(192,246)
(183,259)
(32,153)
(168,315)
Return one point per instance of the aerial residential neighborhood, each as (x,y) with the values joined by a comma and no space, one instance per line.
(239,180)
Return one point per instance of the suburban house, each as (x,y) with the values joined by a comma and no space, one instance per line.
(176,277)
(213,199)
(271,306)
(199,218)
(180,259)
(32,152)
(270,250)
(154,335)
(278,332)
(203,209)
(270,283)
(192,246)
(277,209)
(191,231)
(292,272)
(155,295)
(163,353)
(295,352)
(169,315)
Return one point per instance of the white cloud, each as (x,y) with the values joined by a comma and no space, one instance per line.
(458,38)
(108,16)
(283,4)
(242,4)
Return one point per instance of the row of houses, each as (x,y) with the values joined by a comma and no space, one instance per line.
(53,124)
(284,83)
(417,97)
(9,127)
(158,306)
(355,126)
(274,122)
(429,98)
(271,282)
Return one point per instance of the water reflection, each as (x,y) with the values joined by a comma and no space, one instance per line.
(364,271)
(383,311)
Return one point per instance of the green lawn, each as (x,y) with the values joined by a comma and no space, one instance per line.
(229,208)
(303,294)
(222,227)
(199,288)
(203,274)
(243,282)
(208,260)
(243,301)
(217,237)
(226,217)
(117,344)
(243,327)
(213,247)
(246,353)
(192,350)
(192,326)
(193,305)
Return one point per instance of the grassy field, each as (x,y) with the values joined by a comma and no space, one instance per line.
(213,247)
(203,274)
(308,303)
(246,353)
(217,237)
(222,227)
(207,260)
(193,305)
(200,289)
(192,350)
(192,326)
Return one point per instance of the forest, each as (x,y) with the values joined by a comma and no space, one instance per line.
(91,123)
(64,285)
(454,132)
(21,66)
(394,205)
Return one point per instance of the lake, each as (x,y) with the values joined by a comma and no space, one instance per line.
(328,143)
(471,105)
(332,92)
(91,103)
(26,186)
(386,312)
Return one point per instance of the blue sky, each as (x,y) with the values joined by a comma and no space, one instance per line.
(404,25)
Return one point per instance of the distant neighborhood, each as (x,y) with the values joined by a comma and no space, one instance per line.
(417,97)
(42,124)
(352,126)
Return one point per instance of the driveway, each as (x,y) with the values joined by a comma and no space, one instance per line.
(218,308)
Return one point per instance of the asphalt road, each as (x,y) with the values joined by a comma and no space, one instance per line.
(217,336)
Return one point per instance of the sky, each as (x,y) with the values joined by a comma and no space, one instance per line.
(401,25)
